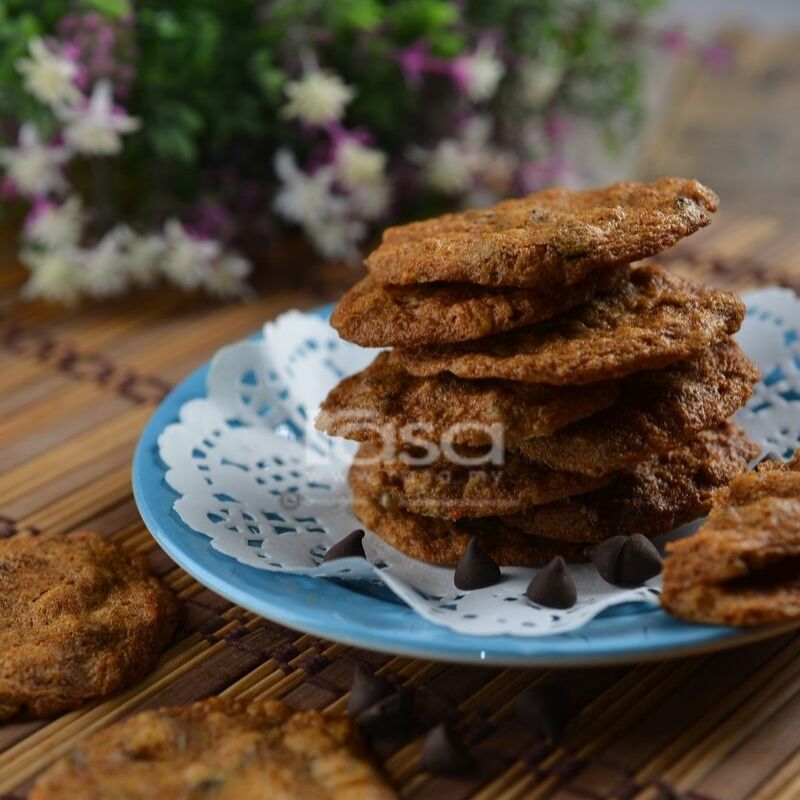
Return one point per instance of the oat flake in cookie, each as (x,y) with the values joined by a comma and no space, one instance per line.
(221,748)
(82,618)
(743,566)
(551,238)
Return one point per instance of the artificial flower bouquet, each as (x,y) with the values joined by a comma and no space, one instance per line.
(147,141)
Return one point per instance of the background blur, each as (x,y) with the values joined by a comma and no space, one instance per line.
(226,148)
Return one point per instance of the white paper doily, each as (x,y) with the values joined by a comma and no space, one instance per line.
(254,476)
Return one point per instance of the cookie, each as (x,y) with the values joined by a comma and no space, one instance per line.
(551,238)
(81,619)
(221,748)
(435,313)
(453,491)
(384,394)
(648,322)
(656,497)
(743,566)
(657,411)
(442,542)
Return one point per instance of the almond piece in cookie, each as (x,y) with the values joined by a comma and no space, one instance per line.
(221,748)
(550,238)
(82,618)
(743,566)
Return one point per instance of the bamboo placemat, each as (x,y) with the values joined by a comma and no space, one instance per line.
(76,388)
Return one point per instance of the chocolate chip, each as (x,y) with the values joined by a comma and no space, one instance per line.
(349,547)
(476,570)
(445,754)
(627,560)
(544,709)
(366,690)
(389,717)
(553,586)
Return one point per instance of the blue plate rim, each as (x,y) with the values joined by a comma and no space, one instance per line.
(332,611)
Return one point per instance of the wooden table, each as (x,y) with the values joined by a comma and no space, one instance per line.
(76,388)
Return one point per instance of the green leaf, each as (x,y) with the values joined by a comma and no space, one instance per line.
(269,78)
(110,8)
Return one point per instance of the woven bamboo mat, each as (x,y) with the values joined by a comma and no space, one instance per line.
(76,389)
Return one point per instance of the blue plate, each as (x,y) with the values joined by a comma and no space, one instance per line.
(335,610)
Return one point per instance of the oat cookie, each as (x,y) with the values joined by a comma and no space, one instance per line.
(554,237)
(384,394)
(435,313)
(657,411)
(743,566)
(451,491)
(81,619)
(219,748)
(655,497)
(651,321)
(440,541)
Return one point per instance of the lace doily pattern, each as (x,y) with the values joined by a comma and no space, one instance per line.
(252,474)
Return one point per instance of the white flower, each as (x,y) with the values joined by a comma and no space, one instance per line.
(370,200)
(187,260)
(55,274)
(105,272)
(228,278)
(305,198)
(49,77)
(56,225)
(34,168)
(446,167)
(317,97)
(469,163)
(326,217)
(338,238)
(361,170)
(539,81)
(143,256)
(357,164)
(96,128)
(481,72)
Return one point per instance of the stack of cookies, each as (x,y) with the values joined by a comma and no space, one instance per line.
(541,393)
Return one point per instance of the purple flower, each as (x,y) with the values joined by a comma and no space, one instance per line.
(415,62)
(674,39)
(556,127)
(716,56)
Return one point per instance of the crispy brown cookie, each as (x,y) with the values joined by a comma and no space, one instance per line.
(436,313)
(653,320)
(550,238)
(385,394)
(81,619)
(451,491)
(439,541)
(656,412)
(221,748)
(743,566)
(656,497)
